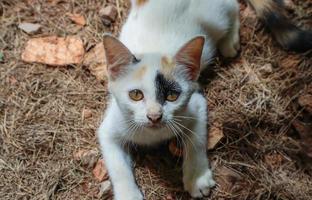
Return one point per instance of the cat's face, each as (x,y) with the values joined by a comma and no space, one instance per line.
(152,90)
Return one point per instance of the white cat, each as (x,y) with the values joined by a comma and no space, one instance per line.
(153,72)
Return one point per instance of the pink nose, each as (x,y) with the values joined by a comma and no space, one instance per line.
(154,118)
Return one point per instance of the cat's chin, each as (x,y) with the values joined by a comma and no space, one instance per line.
(155,126)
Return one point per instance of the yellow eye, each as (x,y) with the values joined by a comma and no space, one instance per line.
(136,95)
(172,96)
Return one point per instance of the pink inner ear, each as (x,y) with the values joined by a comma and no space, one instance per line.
(189,56)
(118,56)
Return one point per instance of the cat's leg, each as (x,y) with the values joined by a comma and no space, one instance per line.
(197,176)
(229,45)
(118,163)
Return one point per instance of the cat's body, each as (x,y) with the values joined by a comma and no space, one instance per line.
(153,76)
(164,26)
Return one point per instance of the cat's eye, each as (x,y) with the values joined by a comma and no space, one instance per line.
(172,96)
(136,95)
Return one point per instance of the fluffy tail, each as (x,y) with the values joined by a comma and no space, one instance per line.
(289,36)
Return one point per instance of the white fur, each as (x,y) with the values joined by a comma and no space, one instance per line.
(161,27)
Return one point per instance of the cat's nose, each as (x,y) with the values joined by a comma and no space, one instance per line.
(154,118)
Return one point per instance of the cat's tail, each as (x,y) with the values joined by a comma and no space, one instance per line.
(289,36)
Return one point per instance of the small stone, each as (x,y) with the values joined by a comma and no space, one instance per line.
(108,15)
(105,187)
(266,69)
(29,28)
(289,4)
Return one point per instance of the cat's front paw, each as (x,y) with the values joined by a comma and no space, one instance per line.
(201,185)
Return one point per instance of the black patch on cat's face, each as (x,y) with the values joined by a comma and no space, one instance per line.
(164,86)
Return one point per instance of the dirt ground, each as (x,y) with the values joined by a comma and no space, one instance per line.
(254,98)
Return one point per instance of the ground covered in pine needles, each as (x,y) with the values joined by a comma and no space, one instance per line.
(253,99)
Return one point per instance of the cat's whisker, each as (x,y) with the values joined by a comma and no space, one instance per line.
(185,117)
(184,134)
(178,136)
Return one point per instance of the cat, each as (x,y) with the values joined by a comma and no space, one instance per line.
(152,78)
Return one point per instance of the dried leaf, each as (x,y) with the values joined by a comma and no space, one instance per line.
(77,19)
(227,179)
(86,113)
(174,149)
(249,17)
(54,50)
(274,160)
(96,62)
(305,132)
(100,171)
(29,27)
(306,102)
(215,135)
(86,157)
(12,80)
(291,61)
(169,197)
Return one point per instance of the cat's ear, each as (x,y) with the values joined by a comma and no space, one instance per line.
(189,57)
(118,56)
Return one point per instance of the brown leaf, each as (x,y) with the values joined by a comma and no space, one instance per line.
(100,171)
(169,197)
(86,157)
(291,61)
(96,62)
(227,179)
(305,132)
(215,135)
(174,149)
(86,113)
(54,50)
(306,102)
(249,17)
(12,80)
(77,19)
(274,160)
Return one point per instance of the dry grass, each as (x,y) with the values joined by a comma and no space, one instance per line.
(41,124)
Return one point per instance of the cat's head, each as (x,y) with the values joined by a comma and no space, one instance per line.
(152,89)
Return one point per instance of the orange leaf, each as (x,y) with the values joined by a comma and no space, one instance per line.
(54,50)
(215,135)
(100,171)
(77,19)
(95,60)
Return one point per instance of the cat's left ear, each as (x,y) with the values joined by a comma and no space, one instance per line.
(118,56)
(189,57)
